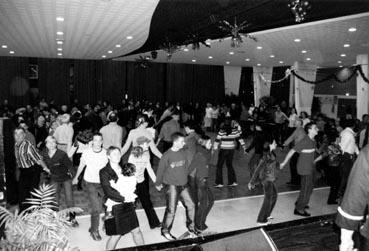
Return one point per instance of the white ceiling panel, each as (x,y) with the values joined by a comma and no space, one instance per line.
(91,27)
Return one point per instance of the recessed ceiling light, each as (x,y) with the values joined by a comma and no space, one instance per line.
(60,19)
(118,46)
(60,54)
(210,57)
(272,56)
(339,61)
(185,49)
(303,51)
(346,45)
(308,59)
(60,33)
(347,94)
(258,64)
(103,56)
(194,60)
(247,59)
(4,46)
(352,29)
(340,66)
(231,53)
(11,52)
(60,49)
(227,62)
(59,42)
(259,47)
(281,62)
(129,37)
(110,51)
(343,55)
(297,40)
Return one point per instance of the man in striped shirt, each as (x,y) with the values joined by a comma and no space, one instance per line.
(28,162)
(226,140)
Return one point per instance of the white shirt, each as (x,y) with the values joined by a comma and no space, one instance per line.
(112,135)
(126,186)
(94,162)
(347,141)
(305,121)
(208,112)
(64,134)
(292,120)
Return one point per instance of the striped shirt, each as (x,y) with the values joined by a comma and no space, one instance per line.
(26,155)
(228,142)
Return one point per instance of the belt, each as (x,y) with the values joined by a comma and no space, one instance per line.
(62,144)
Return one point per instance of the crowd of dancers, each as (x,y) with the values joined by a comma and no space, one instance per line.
(50,142)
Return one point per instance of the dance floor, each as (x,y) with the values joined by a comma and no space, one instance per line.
(227,215)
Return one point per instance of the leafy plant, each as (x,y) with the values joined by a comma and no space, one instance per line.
(39,227)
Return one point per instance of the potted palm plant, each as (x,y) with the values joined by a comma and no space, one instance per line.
(40,227)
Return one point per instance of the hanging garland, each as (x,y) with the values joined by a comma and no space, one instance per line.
(287,74)
(354,70)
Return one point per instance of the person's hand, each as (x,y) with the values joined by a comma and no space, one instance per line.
(159,187)
(75,181)
(250,186)
(47,170)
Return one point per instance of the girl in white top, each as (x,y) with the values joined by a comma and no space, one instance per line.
(292,119)
(126,186)
(141,160)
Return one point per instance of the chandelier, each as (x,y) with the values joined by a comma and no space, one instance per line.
(299,9)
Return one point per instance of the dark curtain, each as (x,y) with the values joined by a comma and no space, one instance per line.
(280,91)
(208,84)
(53,80)
(246,91)
(113,81)
(146,83)
(14,83)
(110,80)
(85,81)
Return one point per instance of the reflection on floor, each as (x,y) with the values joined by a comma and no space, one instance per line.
(226,215)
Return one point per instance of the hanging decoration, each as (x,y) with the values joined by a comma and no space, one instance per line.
(169,48)
(143,62)
(195,40)
(235,31)
(350,72)
(286,75)
(299,9)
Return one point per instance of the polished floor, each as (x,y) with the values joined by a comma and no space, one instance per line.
(227,215)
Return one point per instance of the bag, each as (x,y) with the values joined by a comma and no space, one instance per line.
(110,226)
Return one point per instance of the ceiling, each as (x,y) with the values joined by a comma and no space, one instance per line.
(323,42)
(92,29)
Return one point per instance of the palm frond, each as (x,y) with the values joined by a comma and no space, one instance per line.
(5,216)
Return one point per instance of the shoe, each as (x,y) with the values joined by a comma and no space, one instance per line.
(270,218)
(74,223)
(260,224)
(233,184)
(218,185)
(168,236)
(304,214)
(95,235)
(193,231)
(156,226)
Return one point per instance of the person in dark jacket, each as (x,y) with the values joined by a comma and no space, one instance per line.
(257,143)
(200,191)
(266,173)
(61,172)
(123,211)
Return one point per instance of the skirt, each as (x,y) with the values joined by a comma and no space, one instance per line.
(124,220)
